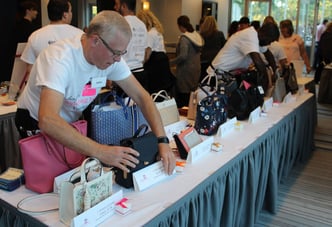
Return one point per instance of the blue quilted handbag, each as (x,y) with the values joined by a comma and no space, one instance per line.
(211,113)
(111,122)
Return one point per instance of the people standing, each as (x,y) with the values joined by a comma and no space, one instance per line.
(187,61)
(214,40)
(28,11)
(320,30)
(293,44)
(137,46)
(60,16)
(156,64)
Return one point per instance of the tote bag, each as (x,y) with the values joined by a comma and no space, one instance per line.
(114,121)
(44,158)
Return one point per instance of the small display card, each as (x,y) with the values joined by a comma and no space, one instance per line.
(149,176)
(268,103)
(200,150)
(255,115)
(226,127)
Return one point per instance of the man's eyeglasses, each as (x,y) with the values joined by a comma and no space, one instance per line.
(116,53)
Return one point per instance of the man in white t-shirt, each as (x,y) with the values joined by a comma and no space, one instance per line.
(139,41)
(66,78)
(244,47)
(60,16)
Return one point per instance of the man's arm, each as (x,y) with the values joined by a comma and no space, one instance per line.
(134,90)
(55,126)
(270,58)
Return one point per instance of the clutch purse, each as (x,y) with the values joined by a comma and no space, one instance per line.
(185,140)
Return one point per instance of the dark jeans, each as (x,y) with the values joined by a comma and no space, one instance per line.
(25,124)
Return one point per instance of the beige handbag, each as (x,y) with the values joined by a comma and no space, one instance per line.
(75,198)
(167,108)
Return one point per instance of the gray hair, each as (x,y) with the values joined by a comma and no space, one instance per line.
(107,23)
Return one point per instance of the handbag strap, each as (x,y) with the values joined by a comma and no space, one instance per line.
(85,167)
(139,130)
(36,197)
(162,93)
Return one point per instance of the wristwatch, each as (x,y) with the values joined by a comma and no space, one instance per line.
(163,139)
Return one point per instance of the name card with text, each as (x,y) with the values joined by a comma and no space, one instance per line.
(255,115)
(200,150)
(226,127)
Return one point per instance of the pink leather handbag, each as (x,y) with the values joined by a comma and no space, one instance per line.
(44,158)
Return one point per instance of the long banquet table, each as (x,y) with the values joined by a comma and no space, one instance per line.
(227,188)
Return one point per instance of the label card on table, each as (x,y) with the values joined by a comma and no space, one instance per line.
(267,104)
(149,176)
(289,98)
(98,213)
(200,150)
(175,128)
(254,115)
(226,127)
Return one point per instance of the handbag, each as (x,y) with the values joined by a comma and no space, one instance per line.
(211,113)
(167,108)
(245,99)
(185,140)
(75,198)
(146,144)
(279,90)
(290,79)
(44,158)
(111,122)
(197,95)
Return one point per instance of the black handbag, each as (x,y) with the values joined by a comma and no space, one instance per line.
(289,76)
(146,143)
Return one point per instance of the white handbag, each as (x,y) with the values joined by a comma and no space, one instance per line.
(198,95)
(75,198)
(167,108)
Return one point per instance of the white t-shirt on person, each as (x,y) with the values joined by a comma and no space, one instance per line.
(45,36)
(138,43)
(235,53)
(63,68)
(156,40)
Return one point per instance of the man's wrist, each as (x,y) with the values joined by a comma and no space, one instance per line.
(163,139)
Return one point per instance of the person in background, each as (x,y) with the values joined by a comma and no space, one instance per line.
(244,23)
(187,61)
(68,75)
(156,64)
(293,44)
(320,29)
(214,40)
(233,27)
(139,42)
(28,11)
(256,24)
(324,51)
(276,49)
(60,16)
(244,47)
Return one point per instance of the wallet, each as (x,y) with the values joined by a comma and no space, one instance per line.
(11,179)
(185,140)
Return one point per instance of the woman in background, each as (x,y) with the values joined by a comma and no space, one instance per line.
(293,44)
(156,61)
(214,40)
(187,61)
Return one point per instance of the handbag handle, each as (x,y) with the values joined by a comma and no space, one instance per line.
(161,93)
(139,130)
(85,166)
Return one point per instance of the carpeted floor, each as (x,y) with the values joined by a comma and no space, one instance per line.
(305,198)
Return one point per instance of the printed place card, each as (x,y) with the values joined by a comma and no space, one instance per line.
(289,98)
(99,213)
(200,150)
(267,104)
(255,115)
(149,176)
(226,127)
